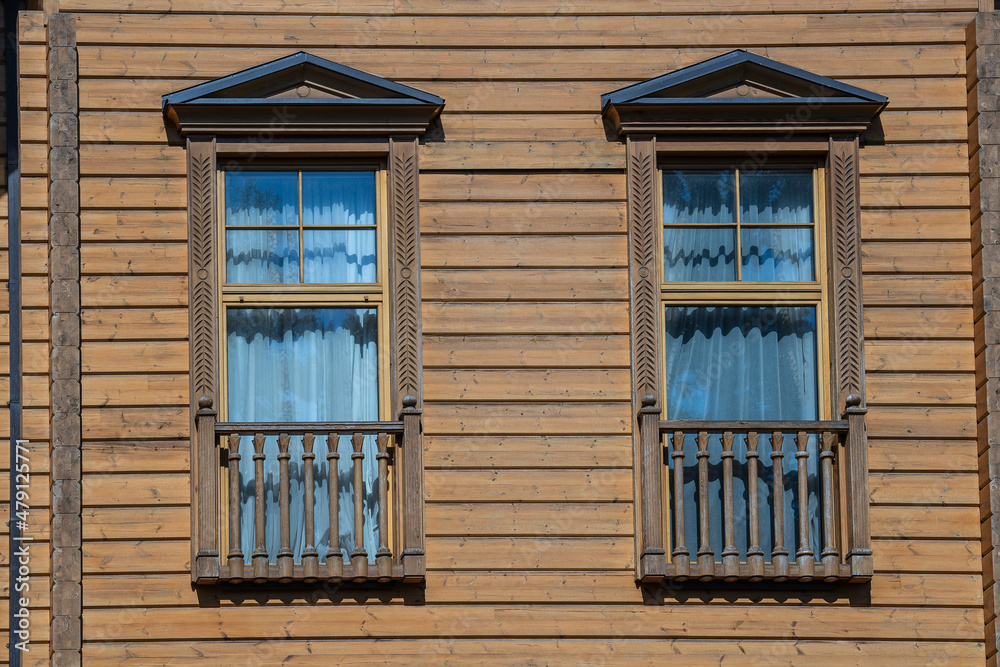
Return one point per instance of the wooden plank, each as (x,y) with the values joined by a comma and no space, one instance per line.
(499,652)
(131,390)
(527,385)
(121,126)
(570,486)
(894,160)
(914,191)
(518,64)
(529,553)
(544,252)
(153,226)
(531,187)
(129,357)
(161,556)
(137,456)
(911,258)
(491,96)
(726,30)
(538,621)
(529,519)
(919,389)
(132,160)
(916,524)
(136,490)
(528,419)
(520,284)
(519,7)
(934,126)
(528,319)
(918,355)
(533,452)
(922,422)
(522,218)
(125,192)
(134,291)
(133,258)
(926,456)
(114,324)
(908,290)
(534,588)
(924,489)
(525,351)
(118,523)
(133,423)
(918,323)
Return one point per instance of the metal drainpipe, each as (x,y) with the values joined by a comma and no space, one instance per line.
(14,293)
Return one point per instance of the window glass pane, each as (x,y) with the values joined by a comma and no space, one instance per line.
(770,196)
(699,253)
(698,196)
(304,364)
(262,256)
(339,255)
(735,362)
(262,198)
(777,253)
(744,363)
(338,198)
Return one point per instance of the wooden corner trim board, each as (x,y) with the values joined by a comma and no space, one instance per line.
(400,154)
(66,629)
(985,214)
(644,116)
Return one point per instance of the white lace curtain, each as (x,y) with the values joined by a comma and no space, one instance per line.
(304,365)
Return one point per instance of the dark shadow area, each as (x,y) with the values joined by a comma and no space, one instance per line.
(742,592)
(435,131)
(300,593)
(875,134)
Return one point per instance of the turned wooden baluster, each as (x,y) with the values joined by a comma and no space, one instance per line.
(680,557)
(755,555)
(235,557)
(334,556)
(260,546)
(383,557)
(779,554)
(830,555)
(285,556)
(804,556)
(730,555)
(706,556)
(310,558)
(359,557)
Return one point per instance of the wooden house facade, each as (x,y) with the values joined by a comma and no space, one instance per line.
(534,183)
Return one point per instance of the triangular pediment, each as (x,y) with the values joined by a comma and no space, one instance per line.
(741,88)
(301,88)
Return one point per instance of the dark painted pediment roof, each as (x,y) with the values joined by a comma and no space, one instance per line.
(304,93)
(744,89)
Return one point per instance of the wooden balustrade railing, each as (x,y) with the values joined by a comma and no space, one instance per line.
(826,511)
(388,438)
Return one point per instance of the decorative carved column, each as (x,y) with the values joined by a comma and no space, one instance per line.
(204,356)
(644,284)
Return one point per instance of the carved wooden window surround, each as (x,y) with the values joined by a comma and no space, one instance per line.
(743,109)
(303,108)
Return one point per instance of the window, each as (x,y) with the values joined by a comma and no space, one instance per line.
(748,369)
(303,294)
(305,331)
(743,300)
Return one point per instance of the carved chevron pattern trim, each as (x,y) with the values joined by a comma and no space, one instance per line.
(642,273)
(201,207)
(847,266)
(403,178)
